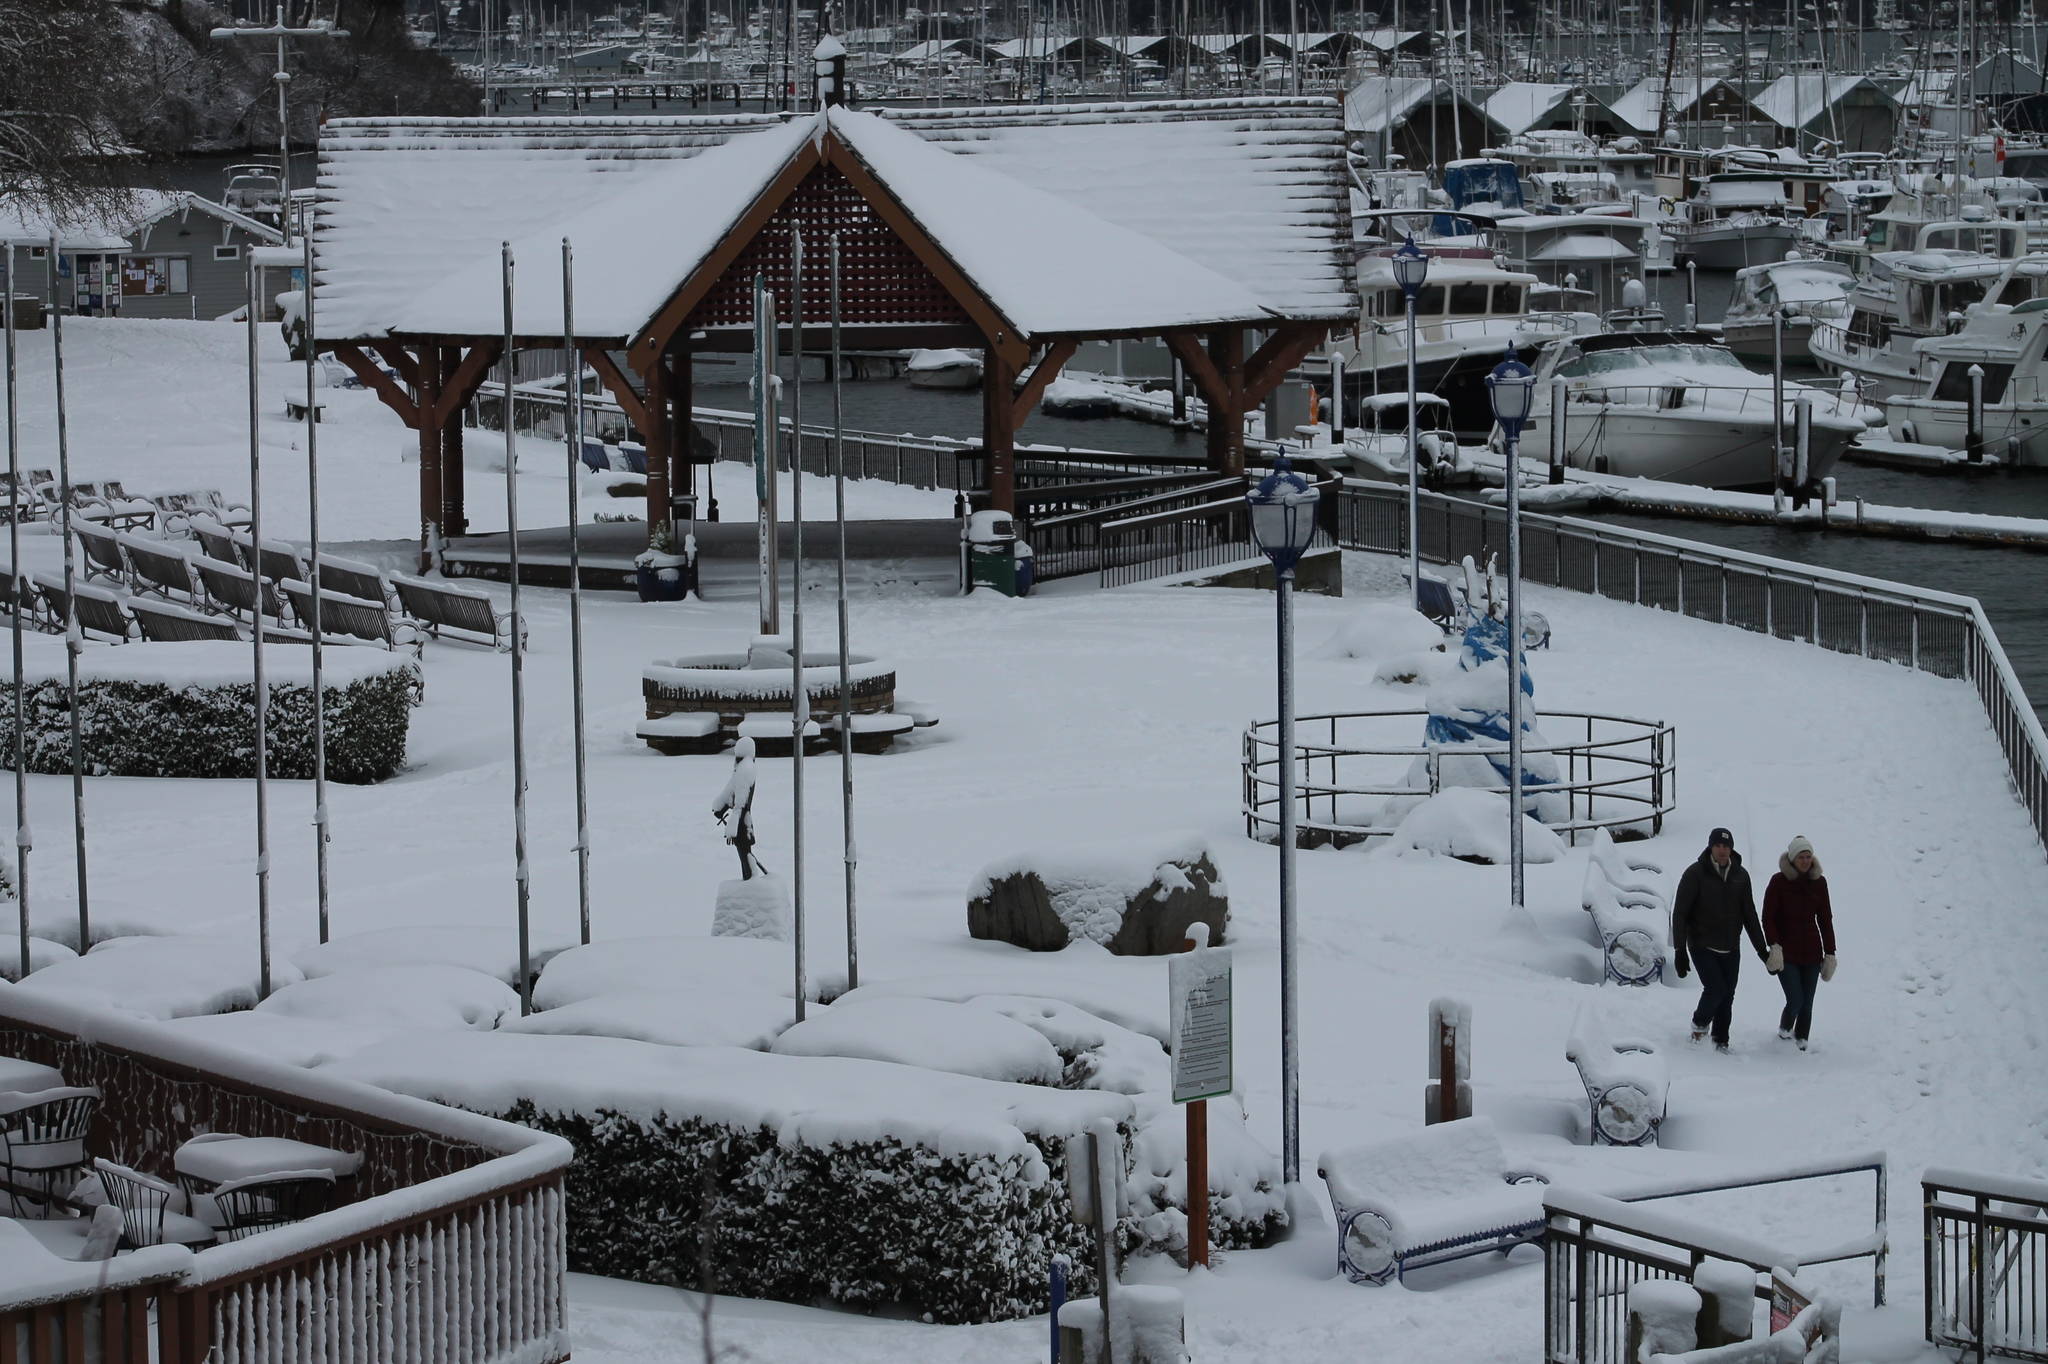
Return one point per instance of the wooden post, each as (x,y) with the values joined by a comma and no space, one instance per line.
(999,429)
(658,443)
(453,519)
(1198,1170)
(1226,417)
(1448,1096)
(682,399)
(1447,1068)
(430,433)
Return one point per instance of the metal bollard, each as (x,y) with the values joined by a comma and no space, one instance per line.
(1557,414)
(1336,399)
(1802,444)
(1974,442)
(1056,1295)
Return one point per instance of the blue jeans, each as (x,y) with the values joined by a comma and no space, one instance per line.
(1799,984)
(1718,973)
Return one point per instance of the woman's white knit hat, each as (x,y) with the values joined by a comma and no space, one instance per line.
(1797,846)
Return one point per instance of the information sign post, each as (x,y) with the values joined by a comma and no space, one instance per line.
(1198,988)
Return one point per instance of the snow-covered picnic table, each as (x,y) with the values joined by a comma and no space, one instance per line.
(27,1077)
(217,1159)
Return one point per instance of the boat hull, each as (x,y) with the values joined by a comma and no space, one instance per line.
(1736,248)
(2014,432)
(1752,340)
(1704,448)
(1884,370)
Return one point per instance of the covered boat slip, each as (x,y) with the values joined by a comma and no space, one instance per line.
(1220,226)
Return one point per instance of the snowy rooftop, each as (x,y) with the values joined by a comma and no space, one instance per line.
(1795,100)
(1519,105)
(413,212)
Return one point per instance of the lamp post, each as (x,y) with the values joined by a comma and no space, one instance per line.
(1411,268)
(1283,520)
(319,28)
(1512,389)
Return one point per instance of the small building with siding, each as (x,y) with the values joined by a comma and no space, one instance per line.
(189,257)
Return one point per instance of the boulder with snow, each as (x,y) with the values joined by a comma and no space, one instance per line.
(1135,899)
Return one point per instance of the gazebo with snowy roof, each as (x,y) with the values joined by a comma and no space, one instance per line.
(1017,232)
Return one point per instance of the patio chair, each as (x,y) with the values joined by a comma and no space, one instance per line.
(149,1215)
(260,1202)
(42,1138)
(104,556)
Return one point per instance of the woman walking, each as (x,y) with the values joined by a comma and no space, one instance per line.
(1799,925)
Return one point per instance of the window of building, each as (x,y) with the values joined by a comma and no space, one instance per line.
(227,253)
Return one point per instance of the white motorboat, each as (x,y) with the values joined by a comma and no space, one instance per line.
(1902,298)
(2005,345)
(1466,315)
(1808,291)
(1597,252)
(1377,446)
(1678,407)
(1738,219)
(943,369)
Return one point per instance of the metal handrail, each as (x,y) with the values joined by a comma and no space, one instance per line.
(1650,791)
(1985,1265)
(1976,657)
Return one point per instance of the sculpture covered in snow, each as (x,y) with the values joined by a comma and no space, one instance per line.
(1468,711)
(734,808)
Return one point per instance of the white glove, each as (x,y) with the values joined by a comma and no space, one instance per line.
(1776,961)
(1827,967)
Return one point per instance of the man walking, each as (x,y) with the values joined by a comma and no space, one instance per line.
(1714,907)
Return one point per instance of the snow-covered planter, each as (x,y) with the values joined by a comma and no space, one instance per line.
(1134,899)
(189,710)
(726,684)
(873,1185)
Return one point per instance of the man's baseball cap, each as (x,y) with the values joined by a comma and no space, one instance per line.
(1720,836)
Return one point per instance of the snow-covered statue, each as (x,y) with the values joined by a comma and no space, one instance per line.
(734,808)
(1468,709)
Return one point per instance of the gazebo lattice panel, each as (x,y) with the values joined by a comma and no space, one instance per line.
(881,281)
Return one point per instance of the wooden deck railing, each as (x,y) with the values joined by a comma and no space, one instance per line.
(452,1250)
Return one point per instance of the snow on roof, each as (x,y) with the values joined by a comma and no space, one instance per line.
(1046,262)
(1520,105)
(1253,189)
(1378,103)
(24,225)
(633,248)
(1795,100)
(184,201)
(403,199)
(1639,107)
(1168,214)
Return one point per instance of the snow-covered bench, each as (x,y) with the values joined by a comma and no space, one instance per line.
(1629,914)
(438,607)
(1439,1194)
(1626,1082)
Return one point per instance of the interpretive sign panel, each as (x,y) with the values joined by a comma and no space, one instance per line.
(1198,988)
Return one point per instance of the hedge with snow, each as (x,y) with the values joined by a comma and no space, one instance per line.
(795,1177)
(188,710)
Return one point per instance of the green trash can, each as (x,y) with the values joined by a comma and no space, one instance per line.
(992,560)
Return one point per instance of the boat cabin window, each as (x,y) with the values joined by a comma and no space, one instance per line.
(1928,305)
(1868,327)
(1675,355)
(1429,301)
(1954,384)
(1468,300)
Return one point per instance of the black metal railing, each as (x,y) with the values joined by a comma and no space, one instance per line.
(1595,1247)
(1934,632)
(1985,1264)
(1070,543)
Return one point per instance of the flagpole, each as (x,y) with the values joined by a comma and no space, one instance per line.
(74,644)
(800,701)
(320,834)
(845,663)
(262,686)
(574,435)
(21,834)
(520,870)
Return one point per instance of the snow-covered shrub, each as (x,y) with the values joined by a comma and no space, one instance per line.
(162,978)
(874,1185)
(188,710)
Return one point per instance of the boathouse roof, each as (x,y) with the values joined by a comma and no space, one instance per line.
(1800,99)
(1094,219)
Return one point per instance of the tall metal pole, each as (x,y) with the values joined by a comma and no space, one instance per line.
(262,684)
(320,827)
(283,78)
(766,421)
(845,662)
(520,871)
(22,842)
(1514,485)
(1778,409)
(575,439)
(1414,474)
(799,697)
(1290,1087)
(73,642)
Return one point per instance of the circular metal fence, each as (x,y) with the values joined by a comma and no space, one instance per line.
(1354,776)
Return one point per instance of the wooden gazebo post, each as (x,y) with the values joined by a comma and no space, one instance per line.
(431,432)
(454,519)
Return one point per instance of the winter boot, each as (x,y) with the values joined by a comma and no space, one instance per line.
(1784,1034)
(1802,1044)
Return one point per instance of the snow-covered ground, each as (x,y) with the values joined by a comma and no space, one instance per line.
(1077,717)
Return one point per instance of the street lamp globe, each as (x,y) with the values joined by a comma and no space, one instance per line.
(1283,515)
(1411,267)
(1512,389)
